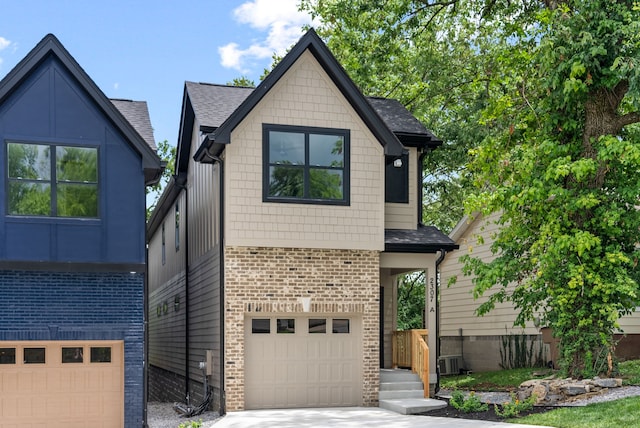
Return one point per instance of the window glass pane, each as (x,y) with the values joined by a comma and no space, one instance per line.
(29,198)
(72,355)
(34,356)
(29,161)
(260,326)
(325,184)
(341,326)
(101,354)
(7,355)
(317,325)
(287,325)
(78,164)
(77,200)
(286,182)
(326,150)
(286,148)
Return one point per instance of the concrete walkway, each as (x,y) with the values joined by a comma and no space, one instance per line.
(345,417)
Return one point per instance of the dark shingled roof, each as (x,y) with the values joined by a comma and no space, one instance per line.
(137,113)
(401,121)
(213,104)
(426,239)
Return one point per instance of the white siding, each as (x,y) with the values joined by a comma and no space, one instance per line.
(457,305)
(457,302)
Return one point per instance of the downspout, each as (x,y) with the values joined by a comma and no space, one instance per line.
(220,163)
(145,333)
(181,184)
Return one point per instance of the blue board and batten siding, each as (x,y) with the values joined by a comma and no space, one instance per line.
(49,107)
(71,278)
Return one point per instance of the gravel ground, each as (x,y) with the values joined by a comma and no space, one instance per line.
(162,415)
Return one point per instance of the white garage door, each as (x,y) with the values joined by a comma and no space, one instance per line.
(302,361)
(62,384)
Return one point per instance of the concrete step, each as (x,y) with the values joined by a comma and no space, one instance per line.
(402,393)
(411,406)
(400,386)
(398,375)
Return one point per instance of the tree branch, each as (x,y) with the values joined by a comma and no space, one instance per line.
(628,119)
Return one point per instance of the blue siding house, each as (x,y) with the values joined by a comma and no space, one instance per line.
(72,246)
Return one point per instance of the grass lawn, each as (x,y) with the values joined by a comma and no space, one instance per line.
(509,380)
(619,414)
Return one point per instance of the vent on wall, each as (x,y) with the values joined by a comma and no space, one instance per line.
(450,364)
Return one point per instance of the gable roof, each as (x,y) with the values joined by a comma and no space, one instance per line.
(51,46)
(311,42)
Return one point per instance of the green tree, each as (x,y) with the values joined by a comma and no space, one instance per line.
(543,95)
(167,153)
(242,81)
(411,301)
(419,53)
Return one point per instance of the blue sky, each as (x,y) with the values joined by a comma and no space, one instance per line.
(146,50)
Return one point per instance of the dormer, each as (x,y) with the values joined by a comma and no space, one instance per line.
(403,174)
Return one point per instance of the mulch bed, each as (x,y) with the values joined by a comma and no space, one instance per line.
(489,415)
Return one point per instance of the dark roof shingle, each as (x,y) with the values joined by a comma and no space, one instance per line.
(213,104)
(137,113)
(425,239)
(400,120)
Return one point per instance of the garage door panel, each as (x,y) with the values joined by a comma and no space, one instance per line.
(302,369)
(55,394)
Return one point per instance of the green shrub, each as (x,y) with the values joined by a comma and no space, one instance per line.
(467,404)
(512,409)
(191,424)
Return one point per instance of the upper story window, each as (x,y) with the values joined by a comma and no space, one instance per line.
(52,180)
(396,185)
(306,165)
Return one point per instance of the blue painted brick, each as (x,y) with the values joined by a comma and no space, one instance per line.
(80,306)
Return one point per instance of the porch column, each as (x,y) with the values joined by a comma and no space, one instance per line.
(431,298)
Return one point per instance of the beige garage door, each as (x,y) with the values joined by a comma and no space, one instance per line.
(62,384)
(302,361)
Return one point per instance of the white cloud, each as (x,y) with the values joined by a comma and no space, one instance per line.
(282,23)
(116,86)
(4,43)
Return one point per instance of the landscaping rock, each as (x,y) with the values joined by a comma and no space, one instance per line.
(574,389)
(607,383)
(540,391)
(554,391)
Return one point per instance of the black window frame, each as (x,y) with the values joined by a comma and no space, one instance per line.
(53,179)
(396,180)
(307,130)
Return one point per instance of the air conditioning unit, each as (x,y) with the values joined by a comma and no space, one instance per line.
(450,364)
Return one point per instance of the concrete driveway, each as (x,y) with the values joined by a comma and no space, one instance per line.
(345,417)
